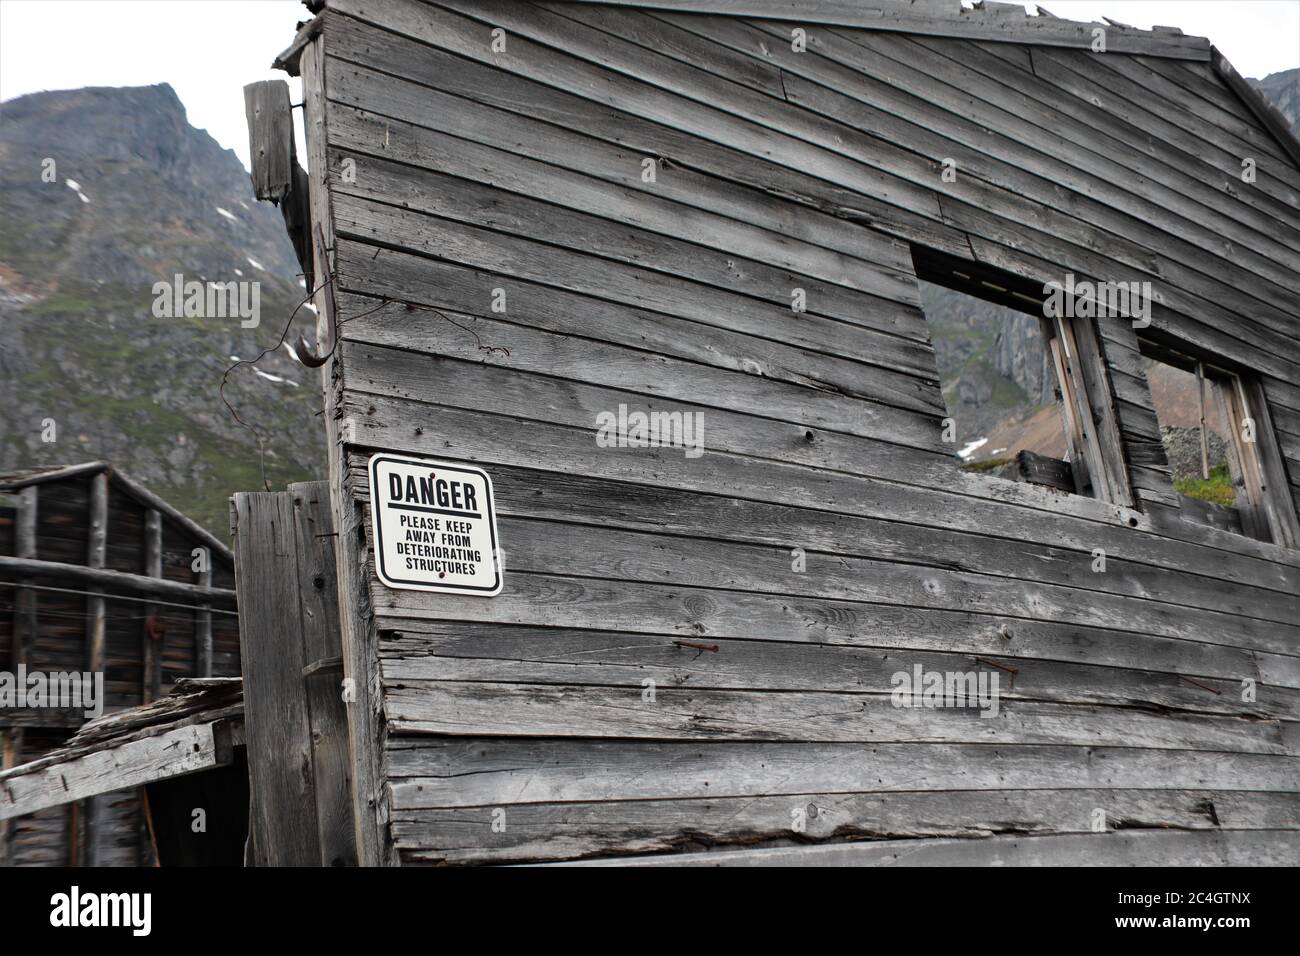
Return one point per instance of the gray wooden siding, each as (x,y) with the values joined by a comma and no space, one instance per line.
(521,171)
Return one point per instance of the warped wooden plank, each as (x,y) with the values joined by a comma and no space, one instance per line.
(536,598)
(1119,84)
(630,556)
(463,201)
(436,69)
(429,156)
(569,326)
(429,772)
(540,831)
(1186,155)
(1280,137)
(461,651)
(1217,848)
(631,285)
(786,418)
(410,109)
(472,709)
(802,624)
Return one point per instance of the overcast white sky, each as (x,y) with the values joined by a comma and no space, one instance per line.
(208,49)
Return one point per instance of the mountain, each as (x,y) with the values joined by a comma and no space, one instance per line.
(1283,91)
(105,193)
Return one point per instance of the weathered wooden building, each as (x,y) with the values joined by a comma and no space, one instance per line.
(525,220)
(98,575)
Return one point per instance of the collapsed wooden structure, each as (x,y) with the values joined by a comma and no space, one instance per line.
(523,216)
(185,753)
(98,575)
(233,771)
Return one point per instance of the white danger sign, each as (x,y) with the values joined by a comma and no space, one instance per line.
(435,528)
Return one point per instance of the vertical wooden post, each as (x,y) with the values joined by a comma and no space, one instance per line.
(322,671)
(88,845)
(203,626)
(1205,439)
(151,655)
(283,822)
(96,556)
(24,635)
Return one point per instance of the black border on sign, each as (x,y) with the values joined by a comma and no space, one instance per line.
(382,572)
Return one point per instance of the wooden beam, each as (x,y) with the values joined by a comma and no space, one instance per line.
(120,581)
(270,138)
(54,474)
(288,60)
(31,787)
(277,176)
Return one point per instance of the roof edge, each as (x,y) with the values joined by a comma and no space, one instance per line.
(1004,22)
(1263,110)
(132,487)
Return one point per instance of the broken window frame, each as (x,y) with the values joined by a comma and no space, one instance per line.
(1097,462)
(1263,501)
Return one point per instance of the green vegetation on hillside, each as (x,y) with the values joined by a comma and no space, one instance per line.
(1217,489)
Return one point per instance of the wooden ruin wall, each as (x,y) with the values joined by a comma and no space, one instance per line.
(517,176)
(108,830)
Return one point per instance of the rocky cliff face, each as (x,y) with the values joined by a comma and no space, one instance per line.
(105,192)
(1283,91)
